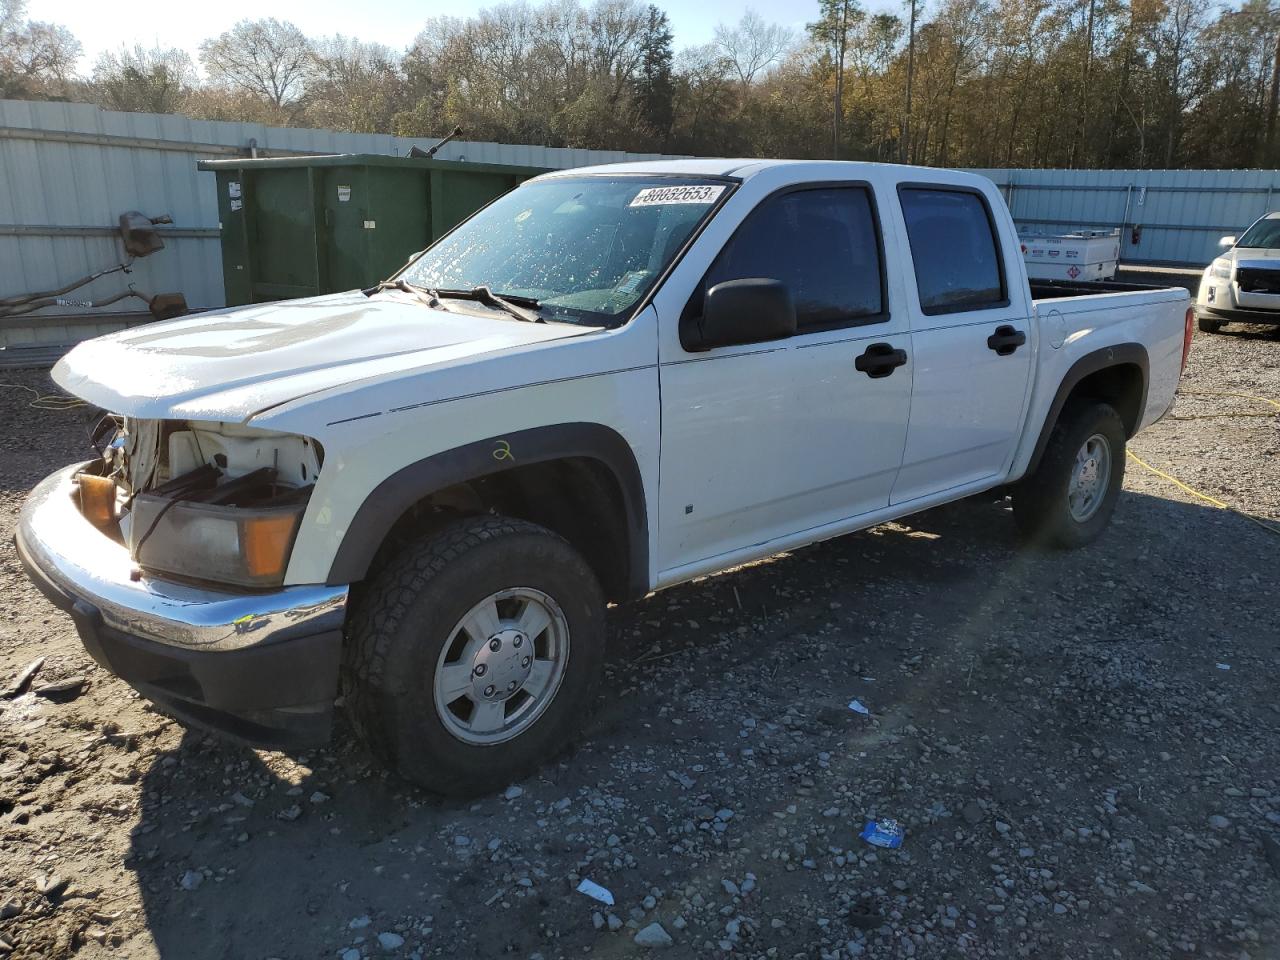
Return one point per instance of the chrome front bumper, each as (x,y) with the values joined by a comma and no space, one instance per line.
(86,564)
(260,666)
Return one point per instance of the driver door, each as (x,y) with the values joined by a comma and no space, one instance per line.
(761,441)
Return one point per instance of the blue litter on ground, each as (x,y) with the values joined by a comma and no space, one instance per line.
(883,833)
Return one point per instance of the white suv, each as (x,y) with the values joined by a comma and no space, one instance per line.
(1243,285)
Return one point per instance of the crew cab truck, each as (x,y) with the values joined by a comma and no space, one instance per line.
(606,382)
(1243,285)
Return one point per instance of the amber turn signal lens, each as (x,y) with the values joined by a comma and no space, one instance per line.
(265,543)
(98,499)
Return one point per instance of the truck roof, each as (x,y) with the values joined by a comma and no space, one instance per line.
(743,168)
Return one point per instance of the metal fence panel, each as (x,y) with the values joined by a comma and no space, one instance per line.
(1182,213)
(67,170)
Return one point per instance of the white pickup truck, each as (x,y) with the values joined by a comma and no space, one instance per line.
(606,382)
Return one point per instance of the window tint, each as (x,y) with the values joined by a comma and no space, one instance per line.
(822,244)
(954,248)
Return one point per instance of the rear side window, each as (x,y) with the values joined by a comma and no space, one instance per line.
(823,244)
(954,248)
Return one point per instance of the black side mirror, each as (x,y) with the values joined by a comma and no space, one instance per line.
(741,311)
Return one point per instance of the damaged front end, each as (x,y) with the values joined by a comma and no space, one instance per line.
(216,503)
(169,552)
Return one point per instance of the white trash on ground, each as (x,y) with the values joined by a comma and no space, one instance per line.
(596,892)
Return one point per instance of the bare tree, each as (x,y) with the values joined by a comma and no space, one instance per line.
(354,85)
(144,80)
(35,58)
(1273,100)
(904,144)
(752,46)
(266,58)
(1176,46)
(617,30)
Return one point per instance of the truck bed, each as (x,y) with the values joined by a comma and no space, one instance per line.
(1088,315)
(1057,289)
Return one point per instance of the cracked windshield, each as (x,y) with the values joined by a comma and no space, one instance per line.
(586,249)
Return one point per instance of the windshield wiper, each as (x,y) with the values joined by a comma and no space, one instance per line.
(424,294)
(514,305)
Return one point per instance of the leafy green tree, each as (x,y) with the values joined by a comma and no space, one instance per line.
(836,21)
(654,84)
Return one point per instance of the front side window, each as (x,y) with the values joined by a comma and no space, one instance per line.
(823,244)
(954,249)
(587,249)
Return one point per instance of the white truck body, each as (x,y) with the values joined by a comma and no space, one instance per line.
(740,451)
(1082,256)
(380,384)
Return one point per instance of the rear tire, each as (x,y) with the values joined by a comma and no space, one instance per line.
(1069,499)
(1208,325)
(474,654)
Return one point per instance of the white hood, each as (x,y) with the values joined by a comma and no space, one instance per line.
(230,364)
(1257,258)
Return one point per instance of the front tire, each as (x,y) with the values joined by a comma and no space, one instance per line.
(474,653)
(1209,325)
(1069,499)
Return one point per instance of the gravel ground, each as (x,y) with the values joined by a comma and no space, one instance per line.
(1081,749)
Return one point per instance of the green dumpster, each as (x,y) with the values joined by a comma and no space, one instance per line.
(304,226)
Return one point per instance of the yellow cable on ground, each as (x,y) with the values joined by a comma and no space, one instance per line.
(1203,496)
(1269,527)
(50,401)
(1227,393)
(1178,483)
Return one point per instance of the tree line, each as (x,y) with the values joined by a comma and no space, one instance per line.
(983,83)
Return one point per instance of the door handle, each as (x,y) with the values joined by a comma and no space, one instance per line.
(1006,340)
(879,360)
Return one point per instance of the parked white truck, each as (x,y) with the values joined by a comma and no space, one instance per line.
(1243,285)
(609,381)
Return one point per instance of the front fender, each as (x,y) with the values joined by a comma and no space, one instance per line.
(395,495)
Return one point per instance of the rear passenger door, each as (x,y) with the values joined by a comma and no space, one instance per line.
(766,440)
(971,338)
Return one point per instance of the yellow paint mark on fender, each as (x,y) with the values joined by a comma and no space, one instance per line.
(503,451)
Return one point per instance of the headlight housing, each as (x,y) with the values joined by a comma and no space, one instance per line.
(217,503)
(234,545)
(1222,268)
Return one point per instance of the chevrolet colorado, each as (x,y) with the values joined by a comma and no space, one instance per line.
(608,381)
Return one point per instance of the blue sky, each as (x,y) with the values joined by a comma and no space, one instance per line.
(175,23)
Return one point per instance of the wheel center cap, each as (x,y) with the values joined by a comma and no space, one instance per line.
(501,665)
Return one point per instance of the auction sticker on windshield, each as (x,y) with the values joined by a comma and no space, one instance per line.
(656,196)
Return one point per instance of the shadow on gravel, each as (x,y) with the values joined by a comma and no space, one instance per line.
(241,854)
(1248,331)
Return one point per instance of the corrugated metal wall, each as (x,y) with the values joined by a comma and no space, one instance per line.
(68,170)
(1183,213)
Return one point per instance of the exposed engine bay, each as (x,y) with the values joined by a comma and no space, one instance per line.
(145,454)
(210,501)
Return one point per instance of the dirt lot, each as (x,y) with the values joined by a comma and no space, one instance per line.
(1082,749)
